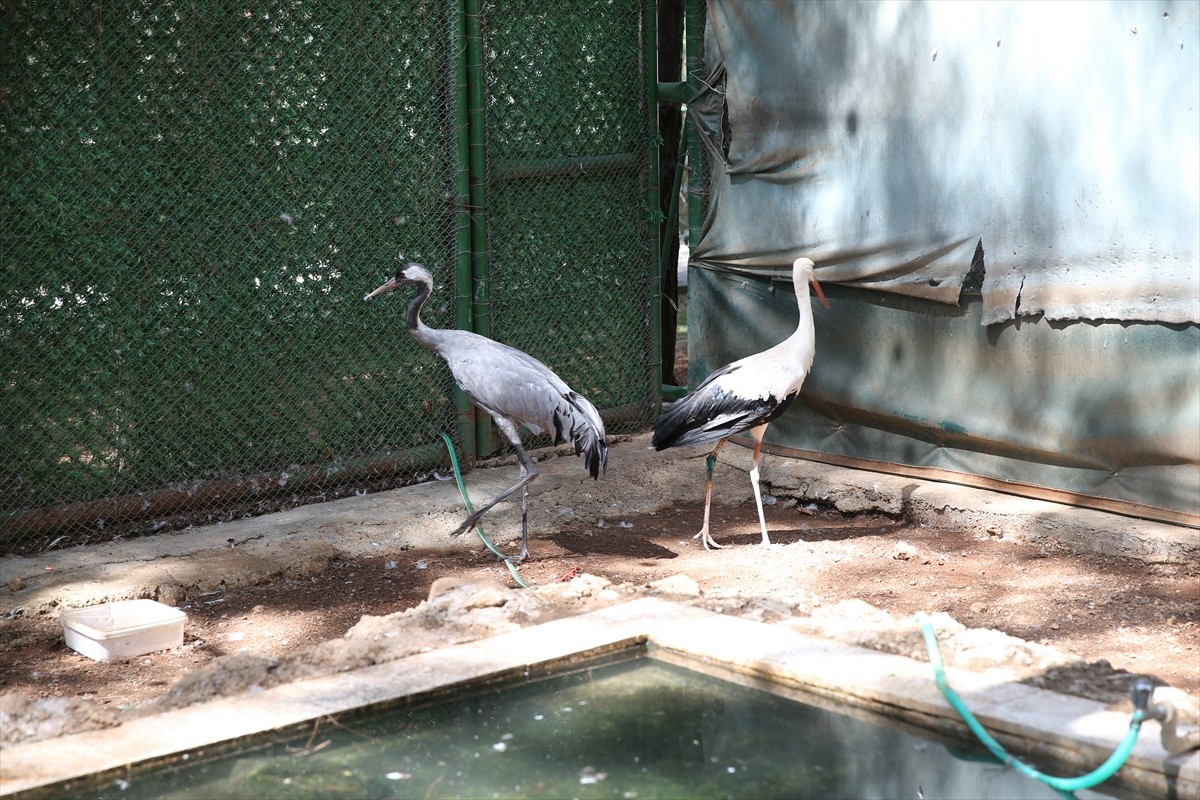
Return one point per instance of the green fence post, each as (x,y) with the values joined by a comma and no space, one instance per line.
(650,13)
(463,296)
(480,316)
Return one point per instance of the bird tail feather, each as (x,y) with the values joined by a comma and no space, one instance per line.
(586,431)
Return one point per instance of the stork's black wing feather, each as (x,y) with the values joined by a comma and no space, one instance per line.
(711,413)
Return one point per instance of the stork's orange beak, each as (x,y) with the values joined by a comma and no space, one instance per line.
(820,295)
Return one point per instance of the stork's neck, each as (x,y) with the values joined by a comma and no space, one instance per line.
(804,337)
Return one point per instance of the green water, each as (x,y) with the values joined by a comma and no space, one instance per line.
(639,729)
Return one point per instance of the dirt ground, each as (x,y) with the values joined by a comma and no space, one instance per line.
(1085,622)
(1135,617)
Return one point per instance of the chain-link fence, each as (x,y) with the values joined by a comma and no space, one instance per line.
(196,198)
(570,236)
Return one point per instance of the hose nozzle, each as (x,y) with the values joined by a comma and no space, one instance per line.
(1173,740)
(1143,690)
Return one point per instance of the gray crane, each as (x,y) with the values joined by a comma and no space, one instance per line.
(512,386)
(745,396)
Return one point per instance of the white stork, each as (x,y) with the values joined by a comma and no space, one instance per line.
(745,396)
(512,386)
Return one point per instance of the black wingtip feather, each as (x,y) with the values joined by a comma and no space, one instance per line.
(673,423)
(595,453)
(596,458)
(708,417)
(587,434)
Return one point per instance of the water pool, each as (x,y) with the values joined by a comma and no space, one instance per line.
(638,728)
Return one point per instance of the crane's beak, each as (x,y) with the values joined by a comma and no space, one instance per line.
(816,288)
(386,287)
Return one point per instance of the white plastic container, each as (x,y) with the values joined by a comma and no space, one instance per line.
(123,629)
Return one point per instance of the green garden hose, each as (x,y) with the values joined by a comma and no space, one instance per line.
(462,490)
(1065,786)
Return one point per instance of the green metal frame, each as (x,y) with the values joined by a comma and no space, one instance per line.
(239,222)
(678,92)
(652,98)
(473,311)
(477,205)
(463,317)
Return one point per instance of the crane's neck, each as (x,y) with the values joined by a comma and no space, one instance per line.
(420,331)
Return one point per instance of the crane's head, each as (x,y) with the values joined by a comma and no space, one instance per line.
(409,273)
(802,272)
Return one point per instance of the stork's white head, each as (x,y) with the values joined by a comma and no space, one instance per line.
(409,273)
(802,273)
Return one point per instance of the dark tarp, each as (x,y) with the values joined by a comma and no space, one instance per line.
(1055,147)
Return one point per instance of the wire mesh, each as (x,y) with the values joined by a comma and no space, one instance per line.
(195,199)
(570,235)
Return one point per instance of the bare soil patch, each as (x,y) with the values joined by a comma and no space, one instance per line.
(1119,615)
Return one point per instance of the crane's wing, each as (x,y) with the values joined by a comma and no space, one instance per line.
(509,383)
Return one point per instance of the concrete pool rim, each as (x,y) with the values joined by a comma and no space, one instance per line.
(1071,731)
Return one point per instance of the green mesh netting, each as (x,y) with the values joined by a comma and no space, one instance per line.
(568,224)
(195,199)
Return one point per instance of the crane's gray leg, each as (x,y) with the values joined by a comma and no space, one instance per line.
(524,523)
(528,473)
(757,433)
(709,463)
